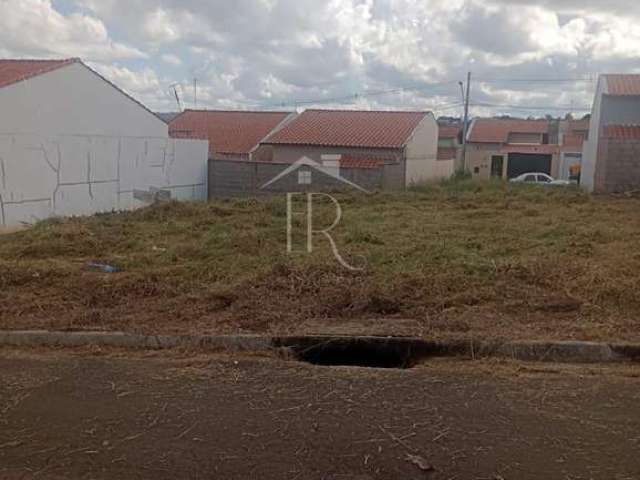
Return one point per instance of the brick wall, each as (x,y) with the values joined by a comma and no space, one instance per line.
(237,178)
(618,166)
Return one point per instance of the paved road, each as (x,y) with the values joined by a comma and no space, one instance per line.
(131,416)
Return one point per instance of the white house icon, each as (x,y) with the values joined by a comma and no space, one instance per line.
(330,166)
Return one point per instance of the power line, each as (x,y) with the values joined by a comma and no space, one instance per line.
(532,107)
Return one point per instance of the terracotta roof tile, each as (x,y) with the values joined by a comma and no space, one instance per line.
(623,85)
(359,129)
(572,141)
(622,132)
(349,161)
(228,132)
(449,131)
(14,71)
(491,130)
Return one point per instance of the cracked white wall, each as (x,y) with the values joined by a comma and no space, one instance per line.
(73,144)
(80,175)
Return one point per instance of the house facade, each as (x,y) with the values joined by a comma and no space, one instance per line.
(450,144)
(72,143)
(507,148)
(573,134)
(231,134)
(611,160)
(404,144)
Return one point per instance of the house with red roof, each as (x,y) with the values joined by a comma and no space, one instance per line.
(73,143)
(450,143)
(404,144)
(231,134)
(611,160)
(509,147)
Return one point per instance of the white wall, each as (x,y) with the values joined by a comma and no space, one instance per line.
(73,144)
(590,146)
(422,152)
(68,175)
(74,100)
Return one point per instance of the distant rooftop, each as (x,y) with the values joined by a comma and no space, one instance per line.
(347,128)
(497,130)
(228,132)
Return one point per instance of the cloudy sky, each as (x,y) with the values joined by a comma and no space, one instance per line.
(527,57)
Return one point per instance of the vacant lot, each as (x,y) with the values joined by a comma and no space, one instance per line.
(454,260)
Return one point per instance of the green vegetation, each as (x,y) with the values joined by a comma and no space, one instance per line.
(455,259)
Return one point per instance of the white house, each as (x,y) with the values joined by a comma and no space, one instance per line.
(72,143)
(611,155)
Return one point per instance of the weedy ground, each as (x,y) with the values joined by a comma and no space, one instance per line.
(457,259)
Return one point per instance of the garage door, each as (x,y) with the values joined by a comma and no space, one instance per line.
(520,163)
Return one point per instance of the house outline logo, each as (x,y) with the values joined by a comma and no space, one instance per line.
(330,166)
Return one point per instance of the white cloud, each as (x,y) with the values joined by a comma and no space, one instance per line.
(171,59)
(35,28)
(250,52)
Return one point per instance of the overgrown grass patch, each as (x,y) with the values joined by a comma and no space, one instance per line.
(457,258)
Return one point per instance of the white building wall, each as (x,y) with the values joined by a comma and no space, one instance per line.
(74,100)
(67,175)
(73,144)
(422,153)
(590,147)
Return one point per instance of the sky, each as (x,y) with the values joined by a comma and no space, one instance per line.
(527,58)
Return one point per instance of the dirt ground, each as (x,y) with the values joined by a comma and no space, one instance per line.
(80,415)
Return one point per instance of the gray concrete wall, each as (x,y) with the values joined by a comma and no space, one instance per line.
(618,167)
(237,178)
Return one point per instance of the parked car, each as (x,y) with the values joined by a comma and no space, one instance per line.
(538,178)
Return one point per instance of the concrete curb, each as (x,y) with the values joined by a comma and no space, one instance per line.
(537,351)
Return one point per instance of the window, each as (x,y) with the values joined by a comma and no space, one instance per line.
(544,179)
(304,177)
(530,179)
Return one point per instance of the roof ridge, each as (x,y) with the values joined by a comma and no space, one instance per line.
(339,110)
(34,60)
(208,110)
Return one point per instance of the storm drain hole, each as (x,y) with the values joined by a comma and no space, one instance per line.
(358,353)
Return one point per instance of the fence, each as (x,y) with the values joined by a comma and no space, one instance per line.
(233,178)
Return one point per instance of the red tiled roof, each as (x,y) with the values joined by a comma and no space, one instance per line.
(359,129)
(541,149)
(14,71)
(491,130)
(228,132)
(447,153)
(622,132)
(449,131)
(348,161)
(572,142)
(578,125)
(623,85)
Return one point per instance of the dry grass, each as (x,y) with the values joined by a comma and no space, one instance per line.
(452,260)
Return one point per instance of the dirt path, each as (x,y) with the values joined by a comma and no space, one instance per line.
(77,416)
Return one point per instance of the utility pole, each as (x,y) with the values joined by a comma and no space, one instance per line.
(465,125)
(195,92)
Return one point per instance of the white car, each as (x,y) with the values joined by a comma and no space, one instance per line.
(538,178)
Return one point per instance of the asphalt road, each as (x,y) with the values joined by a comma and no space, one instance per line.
(82,415)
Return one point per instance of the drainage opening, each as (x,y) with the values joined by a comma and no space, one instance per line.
(360,352)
